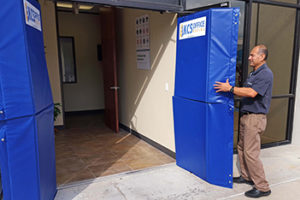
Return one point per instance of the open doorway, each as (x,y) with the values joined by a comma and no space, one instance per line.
(87,148)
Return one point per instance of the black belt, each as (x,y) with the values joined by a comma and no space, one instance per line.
(248,113)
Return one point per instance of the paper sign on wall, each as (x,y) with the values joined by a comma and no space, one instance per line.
(143,42)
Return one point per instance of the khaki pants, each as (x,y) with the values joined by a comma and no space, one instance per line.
(251,127)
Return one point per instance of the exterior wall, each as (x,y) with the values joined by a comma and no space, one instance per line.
(296,126)
(51,51)
(145,104)
(87,93)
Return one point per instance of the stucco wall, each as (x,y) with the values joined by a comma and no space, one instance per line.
(51,51)
(145,104)
(296,126)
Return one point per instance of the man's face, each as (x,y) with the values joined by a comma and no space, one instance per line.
(255,59)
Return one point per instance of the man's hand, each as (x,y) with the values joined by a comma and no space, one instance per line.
(222,87)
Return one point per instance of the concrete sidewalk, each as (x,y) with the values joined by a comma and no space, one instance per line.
(170,182)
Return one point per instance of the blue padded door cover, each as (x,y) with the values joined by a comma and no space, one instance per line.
(204,140)
(200,61)
(203,119)
(25,87)
(27,158)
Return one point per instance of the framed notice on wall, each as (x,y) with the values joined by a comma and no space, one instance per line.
(143,42)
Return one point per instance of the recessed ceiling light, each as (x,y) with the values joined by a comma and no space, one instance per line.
(85,7)
(64,5)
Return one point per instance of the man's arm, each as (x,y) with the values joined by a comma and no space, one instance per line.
(239,91)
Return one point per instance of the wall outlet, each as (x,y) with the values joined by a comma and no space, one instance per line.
(167,86)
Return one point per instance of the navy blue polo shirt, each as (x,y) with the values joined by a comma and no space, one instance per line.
(260,80)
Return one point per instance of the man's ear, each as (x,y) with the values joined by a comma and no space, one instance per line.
(263,56)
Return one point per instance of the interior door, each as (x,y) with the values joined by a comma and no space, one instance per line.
(108,34)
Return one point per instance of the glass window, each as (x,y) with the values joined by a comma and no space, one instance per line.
(287,1)
(276,121)
(67,56)
(274,26)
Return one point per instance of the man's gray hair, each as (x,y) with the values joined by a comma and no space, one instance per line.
(262,49)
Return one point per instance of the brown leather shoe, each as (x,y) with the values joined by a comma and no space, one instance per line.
(255,193)
(240,179)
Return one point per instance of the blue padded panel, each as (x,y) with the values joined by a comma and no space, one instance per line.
(223,51)
(202,60)
(203,119)
(4,164)
(45,139)
(204,139)
(27,155)
(191,62)
(190,135)
(219,146)
(25,87)
(42,96)
(15,82)
(22,163)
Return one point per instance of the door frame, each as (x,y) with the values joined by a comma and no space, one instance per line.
(116,127)
(294,69)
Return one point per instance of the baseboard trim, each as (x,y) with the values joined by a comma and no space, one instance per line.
(149,141)
(84,112)
(59,127)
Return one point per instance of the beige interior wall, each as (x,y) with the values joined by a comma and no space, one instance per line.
(145,104)
(51,51)
(278,36)
(87,93)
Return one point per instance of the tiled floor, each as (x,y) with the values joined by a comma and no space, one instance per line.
(87,149)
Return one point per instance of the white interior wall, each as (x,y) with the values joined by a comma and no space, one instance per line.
(87,93)
(145,104)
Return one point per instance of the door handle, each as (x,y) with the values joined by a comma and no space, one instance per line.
(114,88)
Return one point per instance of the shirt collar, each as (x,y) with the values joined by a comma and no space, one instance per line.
(259,69)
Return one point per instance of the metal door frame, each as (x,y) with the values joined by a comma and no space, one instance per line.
(293,77)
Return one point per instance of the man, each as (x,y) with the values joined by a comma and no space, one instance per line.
(255,104)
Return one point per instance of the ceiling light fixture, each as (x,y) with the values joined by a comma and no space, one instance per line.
(64,5)
(85,7)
